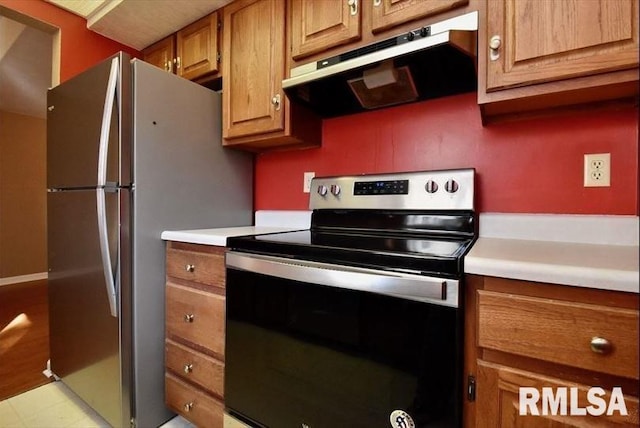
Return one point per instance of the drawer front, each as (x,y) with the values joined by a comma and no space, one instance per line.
(560,332)
(195,316)
(195,367)
(194,405)
(203,268)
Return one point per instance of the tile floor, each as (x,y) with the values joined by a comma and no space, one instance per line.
(55,406)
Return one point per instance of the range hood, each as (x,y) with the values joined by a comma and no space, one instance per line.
(428,62)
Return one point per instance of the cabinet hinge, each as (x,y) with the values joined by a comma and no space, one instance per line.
(132,423)
(218,57)
(471,388)
(219,25)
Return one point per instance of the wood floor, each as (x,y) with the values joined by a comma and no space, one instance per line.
(24,337)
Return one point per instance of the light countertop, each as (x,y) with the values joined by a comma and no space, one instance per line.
(606,267)
(266,222)
(586,251)
(578,250)
(217,236)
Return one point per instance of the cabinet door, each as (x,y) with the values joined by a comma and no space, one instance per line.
(317,26)
(197,46)
(161,54)
(498,401)
(533,41)
(254,67)
(389,13)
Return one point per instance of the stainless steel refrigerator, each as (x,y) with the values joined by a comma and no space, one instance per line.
(131,151)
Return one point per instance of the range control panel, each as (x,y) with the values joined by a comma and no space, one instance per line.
(420,190)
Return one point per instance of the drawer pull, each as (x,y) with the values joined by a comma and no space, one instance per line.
(600,345)
(190,268)
(188,368)
(188,317)
(187,407)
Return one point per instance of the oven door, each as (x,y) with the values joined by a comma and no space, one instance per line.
(311,345)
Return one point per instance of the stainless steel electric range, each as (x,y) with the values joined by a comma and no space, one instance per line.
(358,321)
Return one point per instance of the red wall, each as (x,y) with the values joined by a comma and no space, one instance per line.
(530,166)
(80,48)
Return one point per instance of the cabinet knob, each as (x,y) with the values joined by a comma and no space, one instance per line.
(188,368)
(600,345)
(276,101)
(353,7)
(190,267)
(377,3)
(176,61)
(494,47)
(188,317)
(167,66)
(187,407)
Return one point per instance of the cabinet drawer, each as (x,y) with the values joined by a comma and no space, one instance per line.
(560,332)
(195,367)
(196,406)
(204,268)
(195,316)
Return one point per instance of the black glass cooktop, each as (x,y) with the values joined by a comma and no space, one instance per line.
(419,254)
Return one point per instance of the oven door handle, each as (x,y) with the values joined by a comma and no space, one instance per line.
(440,291)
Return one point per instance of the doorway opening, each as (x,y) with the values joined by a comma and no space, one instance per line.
(29,64)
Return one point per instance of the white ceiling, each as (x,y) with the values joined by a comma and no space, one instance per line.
(25,68)
(139,23)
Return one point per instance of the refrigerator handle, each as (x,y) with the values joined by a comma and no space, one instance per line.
(106,122)
(102,181)
(103,235)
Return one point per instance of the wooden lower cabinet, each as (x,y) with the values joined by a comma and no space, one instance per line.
(499,401)
(535,351)
(195,332)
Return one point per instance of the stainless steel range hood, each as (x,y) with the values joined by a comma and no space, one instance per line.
(428,62)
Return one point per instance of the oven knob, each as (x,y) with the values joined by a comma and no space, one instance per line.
(431,186)
(451,186)
(335,189)
(322,190)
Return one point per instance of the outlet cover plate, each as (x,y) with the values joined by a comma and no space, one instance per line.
(306,186)
(597,170)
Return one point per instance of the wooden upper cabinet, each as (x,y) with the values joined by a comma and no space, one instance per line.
(389,13)
(253,64)
(256,114)
(318,25)
(533,41)
(161,54)
(197,48)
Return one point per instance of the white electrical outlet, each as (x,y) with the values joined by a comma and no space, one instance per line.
(306,186)
(597,170)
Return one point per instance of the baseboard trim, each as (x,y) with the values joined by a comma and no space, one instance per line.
(23,278)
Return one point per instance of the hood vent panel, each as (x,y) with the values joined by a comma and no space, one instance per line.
(436,61)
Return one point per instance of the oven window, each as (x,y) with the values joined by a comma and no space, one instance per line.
(299,353)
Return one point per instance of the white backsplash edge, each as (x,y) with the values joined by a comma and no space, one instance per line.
(283,218)
(575,228)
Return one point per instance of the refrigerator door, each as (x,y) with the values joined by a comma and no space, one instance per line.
(184,179)
(80,111)
(85,339)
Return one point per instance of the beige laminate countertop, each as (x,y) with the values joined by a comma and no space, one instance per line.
(218,236)
(576,250)
(592,251)
(606,267)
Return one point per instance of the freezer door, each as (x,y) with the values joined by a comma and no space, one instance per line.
(80,111)
(85,339)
